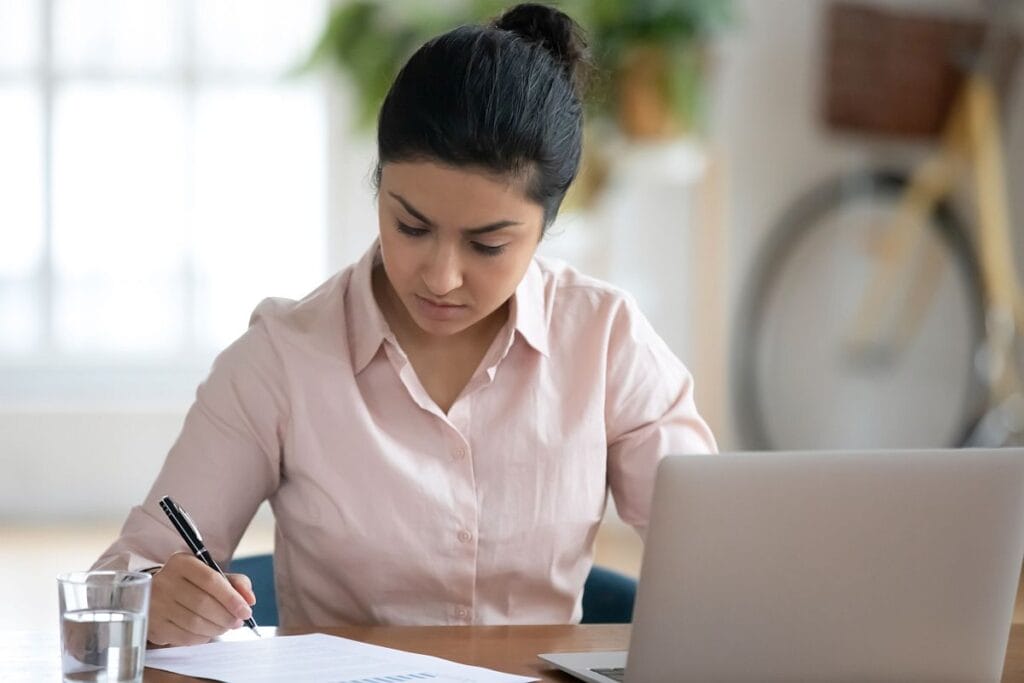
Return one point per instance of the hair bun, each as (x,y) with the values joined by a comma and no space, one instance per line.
(555,31)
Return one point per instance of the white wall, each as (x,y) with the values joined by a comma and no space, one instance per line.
(80,465)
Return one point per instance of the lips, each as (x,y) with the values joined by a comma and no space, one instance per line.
(440,304)
(435,310)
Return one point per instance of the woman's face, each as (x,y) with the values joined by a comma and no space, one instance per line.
(455,242)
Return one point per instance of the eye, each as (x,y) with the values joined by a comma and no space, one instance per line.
(411,231)
(488,250)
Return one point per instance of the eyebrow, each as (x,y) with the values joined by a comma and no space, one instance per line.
(483,229)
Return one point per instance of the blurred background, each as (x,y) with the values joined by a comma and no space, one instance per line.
(166,164)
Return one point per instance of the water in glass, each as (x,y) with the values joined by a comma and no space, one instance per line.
(103,645)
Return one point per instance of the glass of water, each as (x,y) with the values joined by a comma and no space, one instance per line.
(103,625)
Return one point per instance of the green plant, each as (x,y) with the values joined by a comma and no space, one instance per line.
(370,40)
(672,33)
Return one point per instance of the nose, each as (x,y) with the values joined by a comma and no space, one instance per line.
(442,273)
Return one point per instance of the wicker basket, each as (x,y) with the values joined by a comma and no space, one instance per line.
(896,72)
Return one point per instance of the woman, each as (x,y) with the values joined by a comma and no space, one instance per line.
(438,425)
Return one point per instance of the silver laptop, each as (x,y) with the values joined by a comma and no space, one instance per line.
(843,566)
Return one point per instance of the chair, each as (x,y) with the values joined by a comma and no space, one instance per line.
(607,595)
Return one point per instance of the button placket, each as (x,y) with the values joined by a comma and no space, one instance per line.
(466,513)
(459,417)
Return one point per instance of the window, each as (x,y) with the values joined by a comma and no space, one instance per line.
(160,173)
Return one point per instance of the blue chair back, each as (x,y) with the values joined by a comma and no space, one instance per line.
(607,596)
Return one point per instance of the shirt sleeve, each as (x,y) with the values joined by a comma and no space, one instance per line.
(225,462)
(649,412)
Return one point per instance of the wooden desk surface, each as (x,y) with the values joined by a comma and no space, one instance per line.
(512,649)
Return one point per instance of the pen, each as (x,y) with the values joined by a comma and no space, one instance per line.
(188,531)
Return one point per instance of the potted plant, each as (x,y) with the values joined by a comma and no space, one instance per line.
(653,53)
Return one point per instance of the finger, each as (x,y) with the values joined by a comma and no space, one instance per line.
(242,584)
(219,587)
(194,599)
(167,632)
(196,624)
(176,585)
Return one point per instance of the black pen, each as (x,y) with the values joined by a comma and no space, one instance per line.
(188,531)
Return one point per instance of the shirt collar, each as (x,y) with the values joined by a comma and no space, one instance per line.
(528,309)
(367,328)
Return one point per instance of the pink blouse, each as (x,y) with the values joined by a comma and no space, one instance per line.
(388,510)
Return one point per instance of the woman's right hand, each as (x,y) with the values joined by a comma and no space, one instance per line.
(191,604)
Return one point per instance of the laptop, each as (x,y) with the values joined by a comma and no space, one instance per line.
(818,566)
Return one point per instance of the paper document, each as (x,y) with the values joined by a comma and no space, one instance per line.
(316,658)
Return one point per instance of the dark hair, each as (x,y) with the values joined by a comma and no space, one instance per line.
(505,97)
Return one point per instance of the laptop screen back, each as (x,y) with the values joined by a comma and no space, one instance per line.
(830,566)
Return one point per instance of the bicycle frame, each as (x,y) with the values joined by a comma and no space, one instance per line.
(971,138)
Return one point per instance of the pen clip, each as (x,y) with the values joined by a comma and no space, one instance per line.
(185,525)
(192,525)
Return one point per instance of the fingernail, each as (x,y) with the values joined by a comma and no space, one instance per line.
(242,611)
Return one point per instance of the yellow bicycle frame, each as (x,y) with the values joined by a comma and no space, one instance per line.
(971,138)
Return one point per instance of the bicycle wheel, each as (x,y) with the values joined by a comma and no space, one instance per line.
(795,386)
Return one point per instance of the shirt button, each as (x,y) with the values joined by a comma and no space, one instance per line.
(459,453)
(465,536)
(462,613)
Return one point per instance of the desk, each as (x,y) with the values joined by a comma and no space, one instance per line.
(512,649)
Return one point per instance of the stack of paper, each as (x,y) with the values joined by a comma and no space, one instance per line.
(315,658)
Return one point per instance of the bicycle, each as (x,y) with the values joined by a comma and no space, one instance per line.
(906,351)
